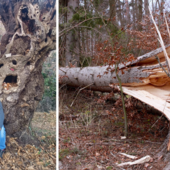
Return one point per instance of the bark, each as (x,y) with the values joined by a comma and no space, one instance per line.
(142,71)
(140,6)
(146,3)
(143,78)
(30,36)
(72,50)
(112,11)
(127,13)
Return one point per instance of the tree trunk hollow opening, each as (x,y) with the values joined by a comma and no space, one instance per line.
(29,35)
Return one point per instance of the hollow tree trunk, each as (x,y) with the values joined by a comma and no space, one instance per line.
(143,78)
(30,36)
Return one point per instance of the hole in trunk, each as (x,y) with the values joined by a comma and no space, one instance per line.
(11,79)
(24,14)
(14,62)
(28,63)
(1,65)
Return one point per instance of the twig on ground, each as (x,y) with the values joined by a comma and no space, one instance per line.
(156,121)
(62,86)
(79,92)
(129,156)
(139,161)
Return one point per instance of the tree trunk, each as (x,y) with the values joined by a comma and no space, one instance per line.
(30,36)
(140,6)
(112,11)
(146,3)
(127,13)
(72,50)
(119,14)
(143,74)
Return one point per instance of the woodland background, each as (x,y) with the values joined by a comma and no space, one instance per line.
(87,27)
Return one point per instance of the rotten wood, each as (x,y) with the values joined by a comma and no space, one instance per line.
(29,38)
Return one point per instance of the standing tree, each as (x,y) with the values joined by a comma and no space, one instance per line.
(72,54)
(30,36)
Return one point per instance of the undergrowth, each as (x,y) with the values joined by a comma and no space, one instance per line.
(95,130)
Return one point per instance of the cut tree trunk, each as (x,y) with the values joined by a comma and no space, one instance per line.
(30,36)
(143,78)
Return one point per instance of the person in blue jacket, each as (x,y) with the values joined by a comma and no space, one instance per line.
(2,131)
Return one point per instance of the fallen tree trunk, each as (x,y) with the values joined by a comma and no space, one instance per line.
(143,78)
(144,70)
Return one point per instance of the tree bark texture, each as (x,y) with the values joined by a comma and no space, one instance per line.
(30,36)
(72,50)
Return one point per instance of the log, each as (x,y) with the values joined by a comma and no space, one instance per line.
(142,78)
(144,70)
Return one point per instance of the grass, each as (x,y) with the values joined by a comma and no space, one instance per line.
(44,122)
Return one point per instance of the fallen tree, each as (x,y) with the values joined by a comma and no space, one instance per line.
(30,36)
(145,78)
(143,74)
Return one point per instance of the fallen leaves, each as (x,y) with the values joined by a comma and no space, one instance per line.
(29,157)
(99,142)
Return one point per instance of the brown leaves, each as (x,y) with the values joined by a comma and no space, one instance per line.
(18,157)
(110,53)
(145,39)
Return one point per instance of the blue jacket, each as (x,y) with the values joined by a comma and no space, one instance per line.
(1,115)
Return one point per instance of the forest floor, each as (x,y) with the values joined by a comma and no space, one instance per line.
(90,133)
(29,157)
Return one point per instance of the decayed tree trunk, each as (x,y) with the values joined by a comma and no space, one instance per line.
(30,36)
(144,78)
